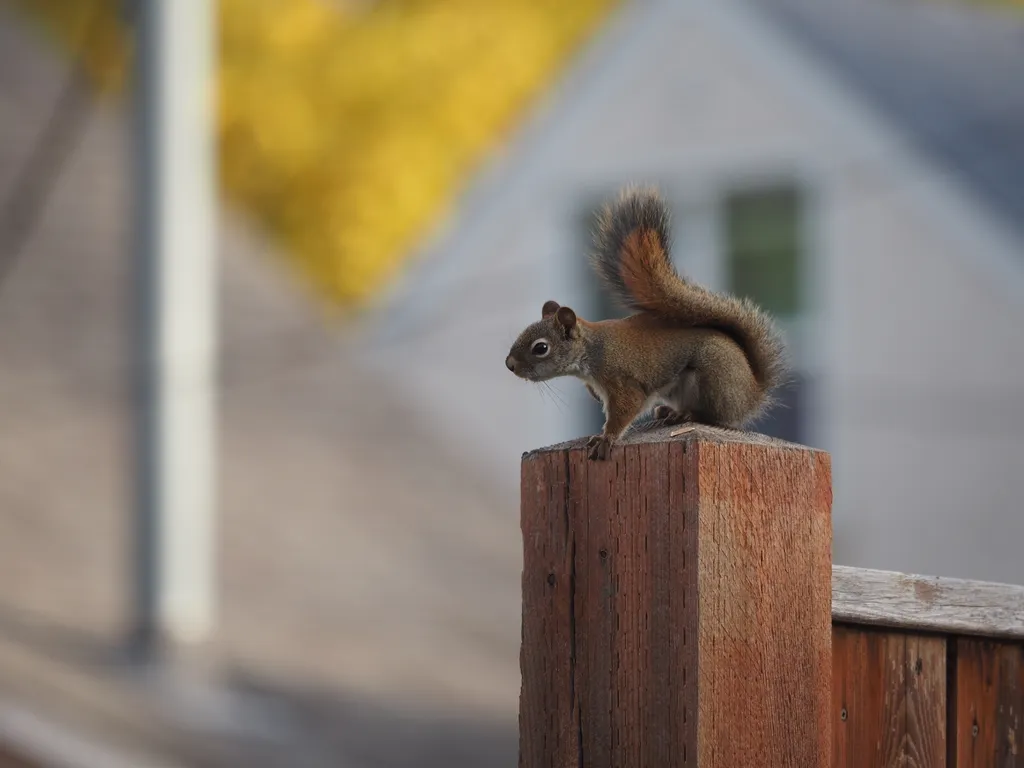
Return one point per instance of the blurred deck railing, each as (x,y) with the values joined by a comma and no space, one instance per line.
(680,608)
(10,759)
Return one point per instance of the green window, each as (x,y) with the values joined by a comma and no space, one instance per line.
(764,261)
(763,247)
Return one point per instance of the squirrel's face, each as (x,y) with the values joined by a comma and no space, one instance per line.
(548,348)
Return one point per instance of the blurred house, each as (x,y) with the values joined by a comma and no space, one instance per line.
(856,167)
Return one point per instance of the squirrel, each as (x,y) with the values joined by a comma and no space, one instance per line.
(689,354)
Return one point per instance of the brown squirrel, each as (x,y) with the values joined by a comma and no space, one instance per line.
(690,354)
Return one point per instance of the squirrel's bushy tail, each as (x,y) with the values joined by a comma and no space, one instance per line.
(632,257)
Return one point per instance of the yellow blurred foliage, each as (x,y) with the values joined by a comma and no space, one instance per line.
(348,132)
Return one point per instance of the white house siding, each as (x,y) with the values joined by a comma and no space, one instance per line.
(915,328)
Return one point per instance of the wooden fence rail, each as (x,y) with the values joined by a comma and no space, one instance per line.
(926,671)
(680,609)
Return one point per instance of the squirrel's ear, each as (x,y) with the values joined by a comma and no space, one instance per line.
(567,319)
(549,308)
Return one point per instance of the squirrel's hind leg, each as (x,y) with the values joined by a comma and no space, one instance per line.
(682,398)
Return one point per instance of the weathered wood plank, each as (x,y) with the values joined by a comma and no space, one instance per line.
(656,507)
(868,698)
(953,606)
(547,652)
(764,626)
(888,699)
(696,626)
(629,717)
(989,704)
(925,662)
(596,622)
(683,579)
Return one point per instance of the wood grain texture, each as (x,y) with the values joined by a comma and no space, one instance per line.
(888,699)
(868,707)
(626,608)
(764,560)
(676,606)
(988,704)
(926,702)
(954,606)
(548,712)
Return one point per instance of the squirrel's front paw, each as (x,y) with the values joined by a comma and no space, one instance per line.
(599,446)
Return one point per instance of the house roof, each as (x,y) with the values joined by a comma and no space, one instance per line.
(947,74)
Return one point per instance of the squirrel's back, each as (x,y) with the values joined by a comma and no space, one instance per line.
(632,257)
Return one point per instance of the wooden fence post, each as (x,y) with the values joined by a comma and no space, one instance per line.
(676,604)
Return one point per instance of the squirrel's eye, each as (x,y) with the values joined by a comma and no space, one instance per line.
(540,349)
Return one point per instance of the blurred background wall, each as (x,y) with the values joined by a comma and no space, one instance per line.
(403,184)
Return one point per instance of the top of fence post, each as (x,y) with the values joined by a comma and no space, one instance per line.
(685,434)
(676,603)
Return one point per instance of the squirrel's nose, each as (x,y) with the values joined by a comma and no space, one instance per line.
(510,363)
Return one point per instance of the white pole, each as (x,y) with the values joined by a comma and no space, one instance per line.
(176,284)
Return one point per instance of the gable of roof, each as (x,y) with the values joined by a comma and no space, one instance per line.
(947,75)
(965,125)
